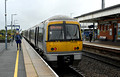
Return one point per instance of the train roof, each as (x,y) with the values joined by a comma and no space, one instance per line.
(56,18)
(60,17)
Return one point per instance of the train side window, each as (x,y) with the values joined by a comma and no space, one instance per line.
(32,33)
(40,39)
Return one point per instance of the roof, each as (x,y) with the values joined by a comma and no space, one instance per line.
(60,17)
(108,8)
(112,12)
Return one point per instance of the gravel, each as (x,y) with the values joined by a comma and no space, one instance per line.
(93,68)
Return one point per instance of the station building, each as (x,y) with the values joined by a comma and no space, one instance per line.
(108,22)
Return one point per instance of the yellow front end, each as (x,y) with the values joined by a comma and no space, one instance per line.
(64,46)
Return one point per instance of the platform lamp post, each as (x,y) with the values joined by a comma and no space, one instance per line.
(94,31)
(12,21)
(15,23)
(5,26)
(12,26)
(103,4)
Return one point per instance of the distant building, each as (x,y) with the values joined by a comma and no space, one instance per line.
(108,20)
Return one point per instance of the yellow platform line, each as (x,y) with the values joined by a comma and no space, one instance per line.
(16,64)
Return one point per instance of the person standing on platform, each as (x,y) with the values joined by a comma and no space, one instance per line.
(18,38)
(90,36)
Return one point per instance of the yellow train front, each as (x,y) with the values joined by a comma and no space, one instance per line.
(63,43)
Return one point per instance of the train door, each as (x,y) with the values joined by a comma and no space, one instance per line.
(115,29)
(29,35)
(35,36)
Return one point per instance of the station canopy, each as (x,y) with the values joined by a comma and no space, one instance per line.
(111,13)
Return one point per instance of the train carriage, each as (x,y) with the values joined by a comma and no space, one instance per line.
(59,39)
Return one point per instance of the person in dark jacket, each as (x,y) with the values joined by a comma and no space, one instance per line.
(18,38)
(90,37)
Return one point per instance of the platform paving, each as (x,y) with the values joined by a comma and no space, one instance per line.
(2,46)
(8,60)
(34,64)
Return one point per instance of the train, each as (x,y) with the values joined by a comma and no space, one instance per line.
(58,39)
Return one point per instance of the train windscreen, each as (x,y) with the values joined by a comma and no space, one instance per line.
(63,32)
(56,32)
(72,32)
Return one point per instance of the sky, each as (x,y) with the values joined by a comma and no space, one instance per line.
(32,12)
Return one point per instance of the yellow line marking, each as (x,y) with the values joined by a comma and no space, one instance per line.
(16,65)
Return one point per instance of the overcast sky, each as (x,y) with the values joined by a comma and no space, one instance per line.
(32,12)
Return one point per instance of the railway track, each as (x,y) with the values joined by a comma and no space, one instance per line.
(69,71)
(96,65)
(107,54)
(75,69)
(107,51)
(105,59)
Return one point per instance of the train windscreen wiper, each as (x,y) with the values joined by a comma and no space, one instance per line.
(69,34)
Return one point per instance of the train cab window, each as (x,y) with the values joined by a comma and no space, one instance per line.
(63,32)
(72,32)
(56,32)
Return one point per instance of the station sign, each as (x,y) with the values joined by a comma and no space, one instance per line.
(17,29)
(13,26)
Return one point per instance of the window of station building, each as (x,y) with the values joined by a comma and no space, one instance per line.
(104,28)
(107,27)
(100,27)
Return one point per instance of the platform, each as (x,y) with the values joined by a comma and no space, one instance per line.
(103,48)
(34,64)
(24,63)
(2,46)
(105,44)
(8,61)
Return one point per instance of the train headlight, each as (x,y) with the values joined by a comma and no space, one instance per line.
(76,48)
(52,49)
(55,49)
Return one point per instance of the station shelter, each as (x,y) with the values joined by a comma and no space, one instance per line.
(108,22)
